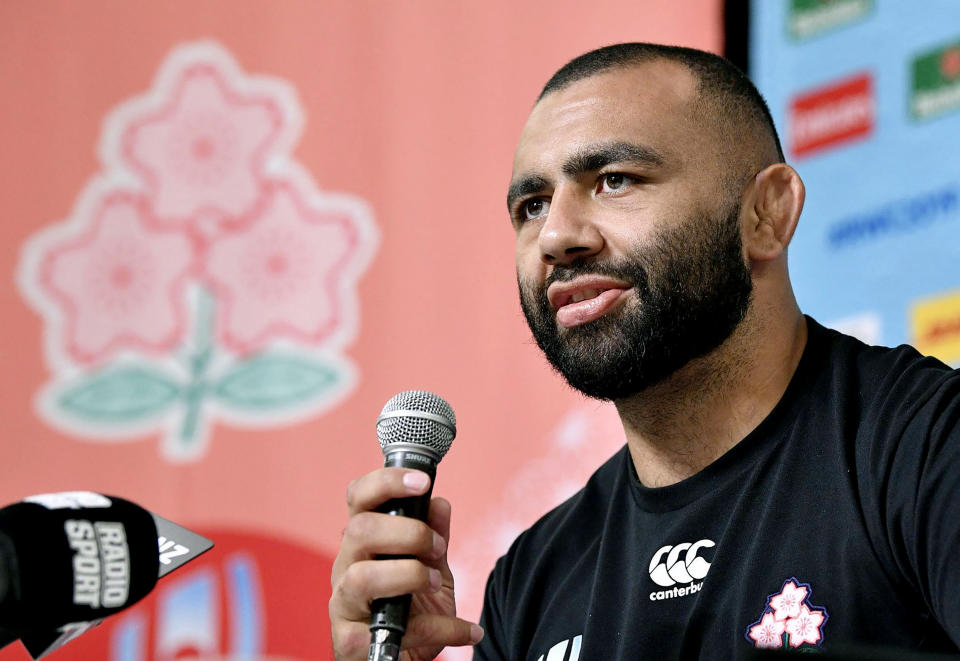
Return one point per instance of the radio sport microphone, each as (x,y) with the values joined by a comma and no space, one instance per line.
(74,559)
(415,430)
(67,560)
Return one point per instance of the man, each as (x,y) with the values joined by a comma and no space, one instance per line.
(782,485)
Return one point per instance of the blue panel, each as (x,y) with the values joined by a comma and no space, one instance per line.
(246,609)
(127,640)
(881,225)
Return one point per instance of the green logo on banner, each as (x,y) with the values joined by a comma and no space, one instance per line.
(935,88)
(809,18)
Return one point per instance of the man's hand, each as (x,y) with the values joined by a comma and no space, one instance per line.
(358,578)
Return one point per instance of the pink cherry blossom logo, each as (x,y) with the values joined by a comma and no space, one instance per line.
(788,619)
(205,150)
(201,275)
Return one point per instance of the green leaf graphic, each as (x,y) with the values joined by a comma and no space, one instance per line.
(273,382)
(120,395)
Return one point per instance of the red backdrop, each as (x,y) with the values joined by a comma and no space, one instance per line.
(231,231)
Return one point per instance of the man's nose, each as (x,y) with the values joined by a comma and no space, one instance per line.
(568,233)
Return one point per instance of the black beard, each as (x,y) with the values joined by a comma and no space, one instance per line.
(692,289)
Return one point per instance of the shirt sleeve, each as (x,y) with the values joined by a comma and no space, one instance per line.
(491,619)
(912,465)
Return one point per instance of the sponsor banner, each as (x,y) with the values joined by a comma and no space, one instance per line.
(832,114)
(808,18)
(869,115)
(865,326)
(935,326)
(935,83)
(898,217)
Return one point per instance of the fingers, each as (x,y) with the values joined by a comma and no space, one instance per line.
(365,581)
(369,534)
(439,520)
(373,489)
(432,630)
(359,577)
(439,517)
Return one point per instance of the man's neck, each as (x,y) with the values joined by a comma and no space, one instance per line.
(681,425)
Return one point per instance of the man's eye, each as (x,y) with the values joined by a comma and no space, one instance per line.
(612,182)
(533,208)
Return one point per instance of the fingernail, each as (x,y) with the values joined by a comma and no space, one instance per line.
(476,633)
(416,480)
(434,579)
(439,546)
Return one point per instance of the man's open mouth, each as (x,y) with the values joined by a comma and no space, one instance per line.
(586,299)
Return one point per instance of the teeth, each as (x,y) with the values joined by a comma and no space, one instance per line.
(584,294)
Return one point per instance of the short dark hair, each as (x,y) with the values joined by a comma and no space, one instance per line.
(719,79)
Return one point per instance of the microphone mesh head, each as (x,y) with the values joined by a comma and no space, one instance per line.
(420,418)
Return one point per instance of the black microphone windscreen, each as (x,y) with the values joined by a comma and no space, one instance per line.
(75,563)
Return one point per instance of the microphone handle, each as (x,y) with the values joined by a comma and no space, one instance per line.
(388,616)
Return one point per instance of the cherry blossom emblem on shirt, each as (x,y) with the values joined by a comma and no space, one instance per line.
(789,619)
(201,274)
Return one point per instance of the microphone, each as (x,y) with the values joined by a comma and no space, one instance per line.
(71,559)
(415,430)
(67,560)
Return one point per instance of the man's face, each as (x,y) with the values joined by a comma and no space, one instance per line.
(629,257)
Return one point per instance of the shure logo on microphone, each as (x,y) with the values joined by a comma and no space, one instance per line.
(680,564)
(101,563)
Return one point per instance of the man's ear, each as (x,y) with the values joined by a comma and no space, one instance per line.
(772,208)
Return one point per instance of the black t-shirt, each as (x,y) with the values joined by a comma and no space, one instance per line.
(835,521)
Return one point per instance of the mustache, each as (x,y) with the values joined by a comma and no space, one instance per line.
(627,270)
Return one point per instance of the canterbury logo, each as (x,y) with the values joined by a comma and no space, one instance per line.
(679,564)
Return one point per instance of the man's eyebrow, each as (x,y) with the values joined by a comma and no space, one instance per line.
(532,183)
(591,159)
(587,159)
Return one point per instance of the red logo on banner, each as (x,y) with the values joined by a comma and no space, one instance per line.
(831,115)
(950,63)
